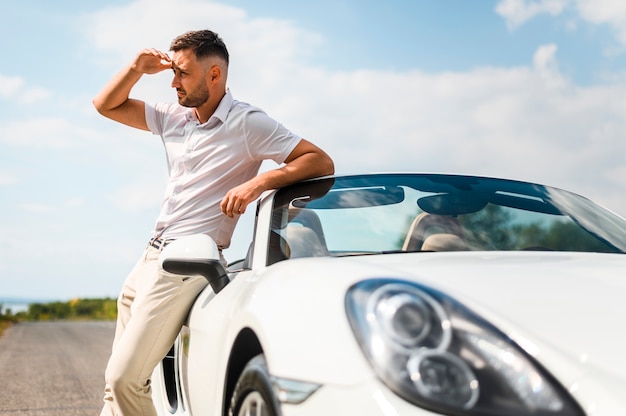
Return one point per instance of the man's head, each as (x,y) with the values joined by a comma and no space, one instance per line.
(200,64)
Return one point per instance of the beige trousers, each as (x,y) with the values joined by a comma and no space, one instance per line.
(152,308)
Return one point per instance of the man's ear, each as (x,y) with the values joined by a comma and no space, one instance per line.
(215,73)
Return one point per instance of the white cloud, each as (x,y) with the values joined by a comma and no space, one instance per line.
(41,132)
(10,85)
(546,66)
(609,12)
(518,12)
(596,12)
(126,29)
(36,208)
(544,59)
(140,194)
(75,202)
(15,89)
(7,179)
(602,11)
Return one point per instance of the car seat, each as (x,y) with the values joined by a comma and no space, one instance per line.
(446,231)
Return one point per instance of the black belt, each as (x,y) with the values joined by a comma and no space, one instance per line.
(159,243)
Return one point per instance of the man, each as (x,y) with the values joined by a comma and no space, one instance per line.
(214,146)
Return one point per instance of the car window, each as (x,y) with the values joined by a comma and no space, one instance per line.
(411,213)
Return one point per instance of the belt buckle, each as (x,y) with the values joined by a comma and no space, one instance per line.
(158,243)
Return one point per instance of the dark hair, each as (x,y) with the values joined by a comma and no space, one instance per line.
(203,43)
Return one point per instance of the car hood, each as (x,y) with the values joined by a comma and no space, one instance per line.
(568,306)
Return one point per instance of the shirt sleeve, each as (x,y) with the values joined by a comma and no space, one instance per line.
(267,138)
(160,116)
(152,120)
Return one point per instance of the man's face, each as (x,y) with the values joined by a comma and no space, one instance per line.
(189,79)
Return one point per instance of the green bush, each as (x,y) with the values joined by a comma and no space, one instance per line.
(75,309)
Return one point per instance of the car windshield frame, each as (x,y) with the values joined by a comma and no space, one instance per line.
(311,218)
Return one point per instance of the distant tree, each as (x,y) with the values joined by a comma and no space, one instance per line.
(494,228)
(489,229)
(100,309)
(562,235)
(49,311)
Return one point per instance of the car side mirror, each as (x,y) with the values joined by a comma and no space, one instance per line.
(195,255)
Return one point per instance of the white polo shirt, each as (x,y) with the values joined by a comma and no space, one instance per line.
(206,160)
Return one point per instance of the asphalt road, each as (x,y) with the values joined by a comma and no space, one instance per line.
(54,368)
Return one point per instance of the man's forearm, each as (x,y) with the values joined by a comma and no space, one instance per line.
(114,102)
(308,165)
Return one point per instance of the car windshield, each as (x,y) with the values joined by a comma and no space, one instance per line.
(373,214)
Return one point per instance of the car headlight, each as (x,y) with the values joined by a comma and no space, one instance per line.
(436,353)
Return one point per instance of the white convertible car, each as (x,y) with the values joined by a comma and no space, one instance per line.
(407,294)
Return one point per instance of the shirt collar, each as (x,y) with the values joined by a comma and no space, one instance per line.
(220,113)
(222,110)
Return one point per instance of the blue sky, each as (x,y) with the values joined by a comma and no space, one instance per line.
(530,90)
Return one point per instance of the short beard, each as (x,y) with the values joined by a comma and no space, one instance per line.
(196,98)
